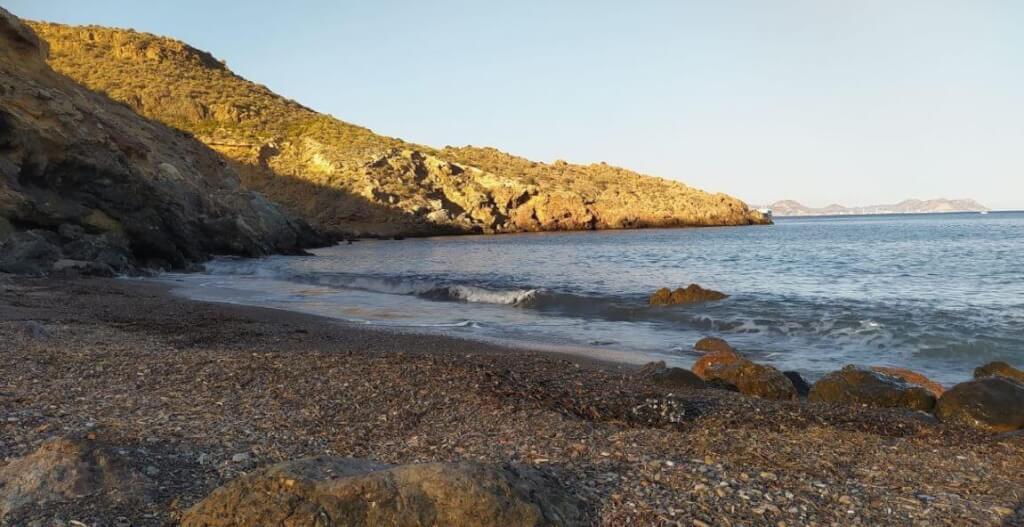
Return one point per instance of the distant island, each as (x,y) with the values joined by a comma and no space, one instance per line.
(909,206)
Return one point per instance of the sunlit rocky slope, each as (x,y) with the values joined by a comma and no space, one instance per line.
(87,184)
(348,180)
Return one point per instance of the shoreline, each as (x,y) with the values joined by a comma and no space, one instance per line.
(199,393)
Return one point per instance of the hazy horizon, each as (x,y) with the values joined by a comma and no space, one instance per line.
(821,102)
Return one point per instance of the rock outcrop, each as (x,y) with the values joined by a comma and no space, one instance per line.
(994,404)
(88,185)
(855,385)
(692,294)
(754,379)
(348,180)
(912,377)
(999,369)
(658,374)
(352,492)
(713,360)
(65,470)
(710,344)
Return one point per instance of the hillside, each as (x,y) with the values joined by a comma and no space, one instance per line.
(909,206)
(88,185)
(348,180)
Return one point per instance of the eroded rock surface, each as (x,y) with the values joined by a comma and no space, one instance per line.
(352,492)
(709,344)
(912,377)
(692,294)
(999,369)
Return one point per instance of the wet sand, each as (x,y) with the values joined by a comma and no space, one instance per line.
(198,393)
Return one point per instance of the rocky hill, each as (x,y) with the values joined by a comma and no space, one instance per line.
(909,206)
(88,184)
(349,181)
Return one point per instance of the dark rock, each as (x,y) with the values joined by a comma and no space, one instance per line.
(855,385)
(999,369)
(693,294)
(709,344)
(351,492)
(721,384)
(754,379)
(995,404)
(64,470)
(28,252)
(649,369)
(674,378)
(802,388)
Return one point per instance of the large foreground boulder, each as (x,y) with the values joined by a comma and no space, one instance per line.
(995,404)
(855,385)
(999,369)
(353,493)
(715,359)
(693,294)
(65,470)
(658,374)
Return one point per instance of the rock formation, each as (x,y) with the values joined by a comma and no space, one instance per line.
(855,385)
(348,180)
(995,404)
(692,294)
(86,184)
(353,492)
(911,377)
(999,369)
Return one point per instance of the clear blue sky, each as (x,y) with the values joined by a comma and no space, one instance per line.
(821,101)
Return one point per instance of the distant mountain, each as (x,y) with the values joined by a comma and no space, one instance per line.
(910,206)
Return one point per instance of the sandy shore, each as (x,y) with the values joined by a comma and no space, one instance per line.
(198,393)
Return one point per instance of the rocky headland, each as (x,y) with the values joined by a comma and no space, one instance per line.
(87,184)
(349,181)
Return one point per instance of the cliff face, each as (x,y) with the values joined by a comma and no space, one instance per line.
(348,180)
(87,183)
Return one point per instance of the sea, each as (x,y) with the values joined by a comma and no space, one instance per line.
(936,293)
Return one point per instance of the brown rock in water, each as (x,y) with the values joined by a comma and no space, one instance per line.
(714,359)
(709,344)
(855,385)
(754,379)
(999,369)
(693,294)
(64,470)
(995,404)
(354,493)
(912,377)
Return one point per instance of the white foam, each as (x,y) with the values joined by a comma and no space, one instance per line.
(486,296)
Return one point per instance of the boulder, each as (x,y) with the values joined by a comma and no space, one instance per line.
(994,404)
(66,470)
(912,377)
(855,385)
(754,379)
(675,378)
(709,344)
(353,492)
(28,252)
(999,369)
(802,388)
(714,359)
(692,294)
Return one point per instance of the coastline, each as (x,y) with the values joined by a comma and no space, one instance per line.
(190,386)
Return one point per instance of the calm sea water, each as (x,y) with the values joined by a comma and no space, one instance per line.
(940,294)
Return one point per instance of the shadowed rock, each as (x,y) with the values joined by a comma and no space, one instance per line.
(352,492)
(801,386)
(692,294)
(999,369)
(855,385)
(995,404)
(64,470)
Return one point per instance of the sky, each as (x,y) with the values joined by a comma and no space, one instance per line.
(823,101)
